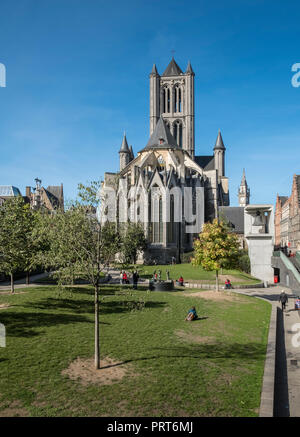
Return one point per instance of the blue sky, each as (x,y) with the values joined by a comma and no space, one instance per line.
(78,76)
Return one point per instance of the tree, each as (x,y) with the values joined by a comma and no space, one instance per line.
(216,248)
(16,225)
(133,240)
(80,246)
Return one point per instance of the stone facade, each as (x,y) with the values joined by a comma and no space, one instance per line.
(166,186)
(287,219)
(259,233)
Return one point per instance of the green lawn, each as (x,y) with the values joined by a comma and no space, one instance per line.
(189,272)
(210,367)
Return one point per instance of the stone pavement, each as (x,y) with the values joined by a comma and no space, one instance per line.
(20,283)
(287,363)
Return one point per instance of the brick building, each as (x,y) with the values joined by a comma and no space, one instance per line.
(287,219)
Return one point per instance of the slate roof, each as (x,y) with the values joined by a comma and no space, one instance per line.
(206,162)
(189,68)
(154,70)
(234,215)
(55,190)
(161,137)
(219,142)
(282,199)
(124,145)
(172,69)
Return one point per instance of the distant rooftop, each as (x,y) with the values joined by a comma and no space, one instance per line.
(9,191)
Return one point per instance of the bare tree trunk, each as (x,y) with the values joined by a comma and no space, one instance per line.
(27,278)
(12,284)
(97,338)
(217,280)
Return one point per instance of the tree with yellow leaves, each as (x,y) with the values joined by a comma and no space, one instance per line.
(216,248)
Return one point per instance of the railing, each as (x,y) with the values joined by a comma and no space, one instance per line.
(289,265)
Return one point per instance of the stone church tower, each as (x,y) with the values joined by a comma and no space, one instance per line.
(172,96)
(244,192)
(166,187)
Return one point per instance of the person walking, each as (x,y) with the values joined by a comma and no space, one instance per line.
(283,299)
(135,278)
(121,277)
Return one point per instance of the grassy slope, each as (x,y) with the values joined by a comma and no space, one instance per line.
(175,377)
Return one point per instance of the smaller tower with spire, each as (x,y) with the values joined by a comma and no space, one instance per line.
(244,192)
(125,153)
(219,153)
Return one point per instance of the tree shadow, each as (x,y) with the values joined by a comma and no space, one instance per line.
(221,351)
(24,324)
(87,307)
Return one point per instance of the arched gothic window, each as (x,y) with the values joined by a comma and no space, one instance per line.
(177,132)
(166,100)
(177,99)
(157,223)
(171,234)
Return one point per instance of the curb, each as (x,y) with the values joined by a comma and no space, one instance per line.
(213,286)
(267,394)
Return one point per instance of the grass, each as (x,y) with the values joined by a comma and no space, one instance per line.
(189,272)
(178,372)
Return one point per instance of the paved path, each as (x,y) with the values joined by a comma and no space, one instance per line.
(20,283)
(287,366)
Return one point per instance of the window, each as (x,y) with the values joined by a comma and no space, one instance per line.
(171,234)
(156,228)
(177,132)
(177,99)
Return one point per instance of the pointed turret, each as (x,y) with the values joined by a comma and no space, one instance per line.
(219,153)
(154,71)
(219,142)
(124,145)
(189,69)
(124,153)
(172,69)
(131,153)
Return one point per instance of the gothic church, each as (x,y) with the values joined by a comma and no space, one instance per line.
(166,166)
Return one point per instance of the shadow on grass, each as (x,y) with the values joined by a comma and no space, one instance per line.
(87,307)
(23,324)
(235,351)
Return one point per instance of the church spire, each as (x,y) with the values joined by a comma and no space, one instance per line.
(172,69)
(124,145)
(244,191)
(219,142)
(154,71)
(189,69)
(124,152)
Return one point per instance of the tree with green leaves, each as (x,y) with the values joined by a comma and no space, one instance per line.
(16,243)
(133,241)
(216,248)
(80,246)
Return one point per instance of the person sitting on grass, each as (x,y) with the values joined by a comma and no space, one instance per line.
(227,283)
(180,281)
(192,315)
